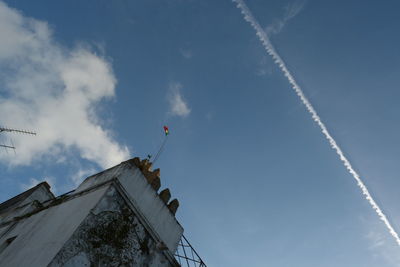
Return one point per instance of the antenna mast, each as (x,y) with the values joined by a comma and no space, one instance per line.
(2,129)
(10,130)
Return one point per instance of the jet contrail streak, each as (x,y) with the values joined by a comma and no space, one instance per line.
(248,16)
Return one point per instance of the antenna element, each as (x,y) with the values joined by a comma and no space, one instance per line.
(10,130)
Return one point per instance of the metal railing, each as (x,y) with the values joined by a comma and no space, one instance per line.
(187,256)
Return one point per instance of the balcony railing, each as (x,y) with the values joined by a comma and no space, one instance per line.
(187,256)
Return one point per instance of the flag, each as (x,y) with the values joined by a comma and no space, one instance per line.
(166,130)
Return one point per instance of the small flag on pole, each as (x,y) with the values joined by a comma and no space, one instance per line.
(166,130)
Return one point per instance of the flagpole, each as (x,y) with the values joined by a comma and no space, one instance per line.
(160,150)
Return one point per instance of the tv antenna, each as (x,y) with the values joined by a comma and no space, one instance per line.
(10,130)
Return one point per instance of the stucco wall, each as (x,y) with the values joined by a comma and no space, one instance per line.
(40,236)
(145,199)
(111,235)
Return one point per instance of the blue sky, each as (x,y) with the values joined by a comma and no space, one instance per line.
(257,181)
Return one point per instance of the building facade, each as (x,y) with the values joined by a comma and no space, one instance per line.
(113,218)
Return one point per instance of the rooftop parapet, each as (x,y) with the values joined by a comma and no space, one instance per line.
(153,177)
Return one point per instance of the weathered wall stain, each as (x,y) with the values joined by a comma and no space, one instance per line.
(111,235)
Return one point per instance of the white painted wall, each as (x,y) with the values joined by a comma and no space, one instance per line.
(42,235)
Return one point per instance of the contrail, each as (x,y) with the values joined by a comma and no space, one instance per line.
(248,16)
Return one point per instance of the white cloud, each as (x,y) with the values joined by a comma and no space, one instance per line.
(178,106)
(291,10)
(53,90)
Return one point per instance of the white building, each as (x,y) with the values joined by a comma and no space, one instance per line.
(113,218)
